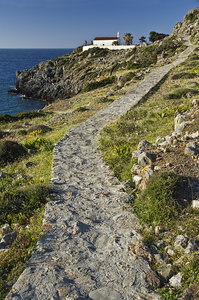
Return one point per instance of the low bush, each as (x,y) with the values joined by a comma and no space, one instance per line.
(39,128)
(179,93)
(159,204)
(81,109)
(184,75)
(21,204)
(10,151)
(127,77)
(39,144)
(5,118)
(22,132)
(98,84)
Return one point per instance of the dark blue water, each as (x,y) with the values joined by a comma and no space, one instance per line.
(12,60)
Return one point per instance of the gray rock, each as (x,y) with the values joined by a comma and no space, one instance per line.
(195,204)
(179,121)
(192,247)
(165,143)
(160,139)
(4,175)
(127,185)
(176,280)
(148,173)
(20,176)
(144,144)
(105,293)
(136,169)
(191,149)
(165,272)
(137,179)
(181,242)
(28,164)
(170,252)
(8,239)
(146,158)
(5,229)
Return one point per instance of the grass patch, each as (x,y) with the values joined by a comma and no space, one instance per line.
(158,204)
(19,205)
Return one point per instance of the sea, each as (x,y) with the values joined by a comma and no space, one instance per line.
(12,60)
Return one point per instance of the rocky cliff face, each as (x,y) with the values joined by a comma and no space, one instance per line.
(67,75)
(189,26)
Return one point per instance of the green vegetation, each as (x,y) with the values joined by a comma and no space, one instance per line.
(147,56)
(10,151)
(17,206)
(98,84)
(14,261)
(155,36)
(128,38)
(184,75)
(158,204)
(21,116)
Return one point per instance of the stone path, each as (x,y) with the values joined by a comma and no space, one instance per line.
(90,226)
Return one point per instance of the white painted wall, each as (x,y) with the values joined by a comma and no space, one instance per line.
(103,42)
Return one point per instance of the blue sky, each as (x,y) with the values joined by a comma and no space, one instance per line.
(68,23)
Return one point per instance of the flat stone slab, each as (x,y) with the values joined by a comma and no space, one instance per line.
(89,227)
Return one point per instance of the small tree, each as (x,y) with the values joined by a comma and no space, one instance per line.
(128,38)
(142,39)
(115,43)
(155,36)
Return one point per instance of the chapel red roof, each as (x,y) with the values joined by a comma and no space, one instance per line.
(105,38)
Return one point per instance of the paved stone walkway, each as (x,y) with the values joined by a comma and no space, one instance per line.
(90,225)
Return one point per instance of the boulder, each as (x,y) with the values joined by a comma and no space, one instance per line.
(143,144)
(176,280)
(7,240)
(191,149)
(181,242)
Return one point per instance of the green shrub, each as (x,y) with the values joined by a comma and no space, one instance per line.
(159,203)
(10,151)
(97,84)
(184,75)
(179,93)
(104,100)
(127,77)
(39,128)
(5,118)
(39,143)
(81,109)
(22,132)
(21,204)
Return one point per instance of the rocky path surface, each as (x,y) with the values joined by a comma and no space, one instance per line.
(90,226)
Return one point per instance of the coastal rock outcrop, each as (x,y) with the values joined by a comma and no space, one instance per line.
(67,75)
